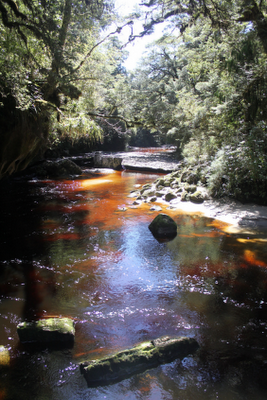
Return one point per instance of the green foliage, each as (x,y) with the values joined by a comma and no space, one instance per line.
(206,93)
(239,170)
(51,56)
(204,90)
(143,138)
(74,134)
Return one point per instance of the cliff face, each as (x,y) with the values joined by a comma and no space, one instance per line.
(22,135)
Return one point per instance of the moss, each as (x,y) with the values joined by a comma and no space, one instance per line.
(170,196)
(163,226)
(197,197)
(148,193)
(51,330)
(190,188)
(185,196)
(4,357)
(138,359)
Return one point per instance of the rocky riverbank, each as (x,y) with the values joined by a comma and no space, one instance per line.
(175,191)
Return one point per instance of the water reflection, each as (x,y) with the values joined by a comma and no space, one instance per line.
(75,253)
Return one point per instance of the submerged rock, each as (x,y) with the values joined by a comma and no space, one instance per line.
(138,359)
(155,208)
(47,331)
(163,226)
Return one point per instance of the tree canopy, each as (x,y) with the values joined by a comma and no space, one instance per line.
(204,89)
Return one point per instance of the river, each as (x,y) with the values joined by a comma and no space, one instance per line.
(80,249)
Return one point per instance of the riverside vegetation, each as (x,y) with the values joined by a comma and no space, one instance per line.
(201,87)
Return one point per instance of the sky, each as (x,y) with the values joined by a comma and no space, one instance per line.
(138,47)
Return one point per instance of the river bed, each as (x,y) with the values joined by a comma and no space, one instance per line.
(80,249)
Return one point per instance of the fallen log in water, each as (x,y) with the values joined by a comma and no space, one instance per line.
(138,359)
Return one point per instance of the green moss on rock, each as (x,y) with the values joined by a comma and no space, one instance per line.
(197,197)
(4,358)
(163,226)
(185,196)
(170,196)
(47,331)
(190,188)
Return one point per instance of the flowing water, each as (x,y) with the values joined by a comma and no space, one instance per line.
(70,248)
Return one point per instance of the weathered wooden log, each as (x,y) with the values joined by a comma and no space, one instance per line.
(138,359)
(47,331)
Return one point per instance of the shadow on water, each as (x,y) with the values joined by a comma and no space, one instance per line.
(20,245)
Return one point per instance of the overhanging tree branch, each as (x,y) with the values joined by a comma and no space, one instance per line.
(118,30)
(129,123)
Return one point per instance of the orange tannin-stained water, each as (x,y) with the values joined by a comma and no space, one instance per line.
(251,258)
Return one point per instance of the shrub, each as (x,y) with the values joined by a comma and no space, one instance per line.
(239,170)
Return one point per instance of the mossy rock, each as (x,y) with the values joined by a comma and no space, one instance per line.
(138,359)
(159,182)
(185,196)
(176,174)
(160,193)
(175,184)
(190,188)
(163,226)
(170,196)
(47,331)
(184,175)
(147,186)
(148,193)
(197,197)
(167,182)
(192,178)
(4,358)
(134,194)
(64,168)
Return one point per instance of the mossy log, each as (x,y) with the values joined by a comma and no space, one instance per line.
(137,359)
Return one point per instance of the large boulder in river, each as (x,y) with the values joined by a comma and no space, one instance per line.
(138,359)
(107,161)
(47,331)
(58,169)
(163,226)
